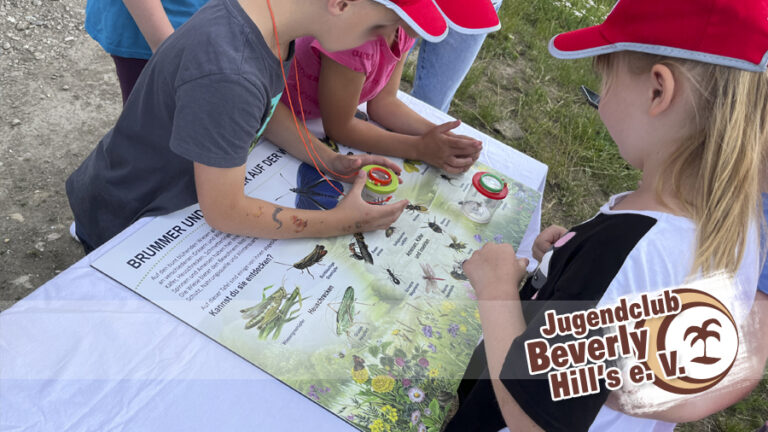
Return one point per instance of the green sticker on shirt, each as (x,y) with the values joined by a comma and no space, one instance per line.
(273,106)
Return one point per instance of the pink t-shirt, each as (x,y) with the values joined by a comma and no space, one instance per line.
(375,59)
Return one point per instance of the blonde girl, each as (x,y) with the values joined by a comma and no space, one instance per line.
(685,98)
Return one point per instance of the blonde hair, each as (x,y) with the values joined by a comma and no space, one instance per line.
(715,173)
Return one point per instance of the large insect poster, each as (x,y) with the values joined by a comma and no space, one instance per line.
(376,327)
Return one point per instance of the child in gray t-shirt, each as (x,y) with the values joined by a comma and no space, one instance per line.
(208,92)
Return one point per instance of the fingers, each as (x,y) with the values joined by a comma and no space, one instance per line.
(462,144)
(456,165)
(523,263)
(357,186)
(389,164)
(383,216)
(395,210)
(445,127)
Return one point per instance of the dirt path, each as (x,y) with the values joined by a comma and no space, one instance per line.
(58,96)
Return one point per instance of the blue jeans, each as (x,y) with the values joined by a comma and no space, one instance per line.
(442,66)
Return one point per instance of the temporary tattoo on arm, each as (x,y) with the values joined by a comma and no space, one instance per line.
(258,213)
(299,224)
(274,217)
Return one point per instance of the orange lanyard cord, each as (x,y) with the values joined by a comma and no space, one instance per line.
(304,120)
(290,103)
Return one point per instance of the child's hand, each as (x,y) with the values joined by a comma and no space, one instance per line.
(348,166)
(546,239)
(448,151)
(353,214)
(495,272)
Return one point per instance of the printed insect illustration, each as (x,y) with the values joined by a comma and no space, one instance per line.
(391,230)
(353,252)
(393,277)
(286,314)
(429,276)
(341,354)
(271,314)
(266,309)
(330,143)
(361,115)
(445,398)
(308,261)
(448,179)
(313,191)
(417,207)
(345,316)
(363,254)
(456,244)
(458,273)
(359,363)
(434,226)
(412,165)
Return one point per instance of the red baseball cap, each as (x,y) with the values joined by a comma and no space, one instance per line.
(731,33)
(431,18)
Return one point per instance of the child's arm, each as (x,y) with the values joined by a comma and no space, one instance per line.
(726,393)
(151,19)
(226,208)
(281,130)
(546,239)
(339,92)
(496,283)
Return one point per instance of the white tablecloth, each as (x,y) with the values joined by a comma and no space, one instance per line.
(84,353)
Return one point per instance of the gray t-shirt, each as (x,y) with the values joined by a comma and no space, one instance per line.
(205,96)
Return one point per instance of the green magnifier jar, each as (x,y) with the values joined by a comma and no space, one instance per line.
(380,184)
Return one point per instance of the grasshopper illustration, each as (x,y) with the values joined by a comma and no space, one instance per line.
(308,261)
(271,314)
(345,316)
(267,308)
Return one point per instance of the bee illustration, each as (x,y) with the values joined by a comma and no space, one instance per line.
(359,363)
(458,273)
(456,244)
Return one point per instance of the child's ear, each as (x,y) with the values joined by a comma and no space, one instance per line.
(662,89)
(337,7)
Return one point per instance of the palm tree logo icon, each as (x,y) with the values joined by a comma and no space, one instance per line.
(702,334)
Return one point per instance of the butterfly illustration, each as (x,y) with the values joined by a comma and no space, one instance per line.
(313,192)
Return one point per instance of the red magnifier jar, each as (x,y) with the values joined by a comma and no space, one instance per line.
(484,197)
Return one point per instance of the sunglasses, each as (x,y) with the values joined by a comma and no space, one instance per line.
(593,99)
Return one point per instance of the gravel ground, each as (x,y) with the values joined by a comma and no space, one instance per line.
(58,96)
